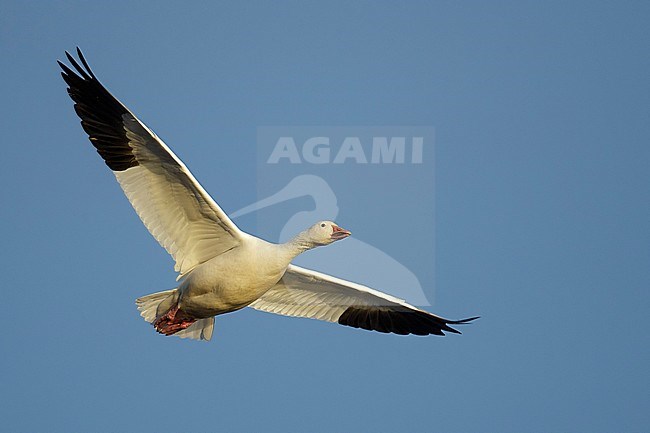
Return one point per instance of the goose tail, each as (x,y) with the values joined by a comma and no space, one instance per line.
(156,305)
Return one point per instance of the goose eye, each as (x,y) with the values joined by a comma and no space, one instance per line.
(322,225)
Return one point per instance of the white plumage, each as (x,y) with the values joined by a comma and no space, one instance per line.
(222,269)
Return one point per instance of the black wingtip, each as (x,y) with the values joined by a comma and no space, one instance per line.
(85,73)
(83,61)
(397,319)
(458,322)
(463,321)
(100,113)
(66,73)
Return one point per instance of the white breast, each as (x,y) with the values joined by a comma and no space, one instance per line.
(233,279)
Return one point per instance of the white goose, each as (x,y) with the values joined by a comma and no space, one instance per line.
(222,269)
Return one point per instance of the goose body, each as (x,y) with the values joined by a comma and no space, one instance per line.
(221,268)
(236,278)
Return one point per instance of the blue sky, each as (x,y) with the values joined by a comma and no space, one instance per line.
(542,205)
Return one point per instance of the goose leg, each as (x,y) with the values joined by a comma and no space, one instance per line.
(173,321)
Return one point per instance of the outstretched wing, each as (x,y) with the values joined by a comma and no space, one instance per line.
(173,206)
(306,293)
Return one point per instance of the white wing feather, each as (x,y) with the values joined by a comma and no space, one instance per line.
(174,207)
(306,293)
(172,204)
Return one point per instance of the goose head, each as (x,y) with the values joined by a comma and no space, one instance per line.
(326,232)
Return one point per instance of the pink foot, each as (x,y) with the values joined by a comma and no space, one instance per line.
(171,322)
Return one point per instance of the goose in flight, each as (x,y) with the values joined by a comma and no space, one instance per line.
(221,268)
